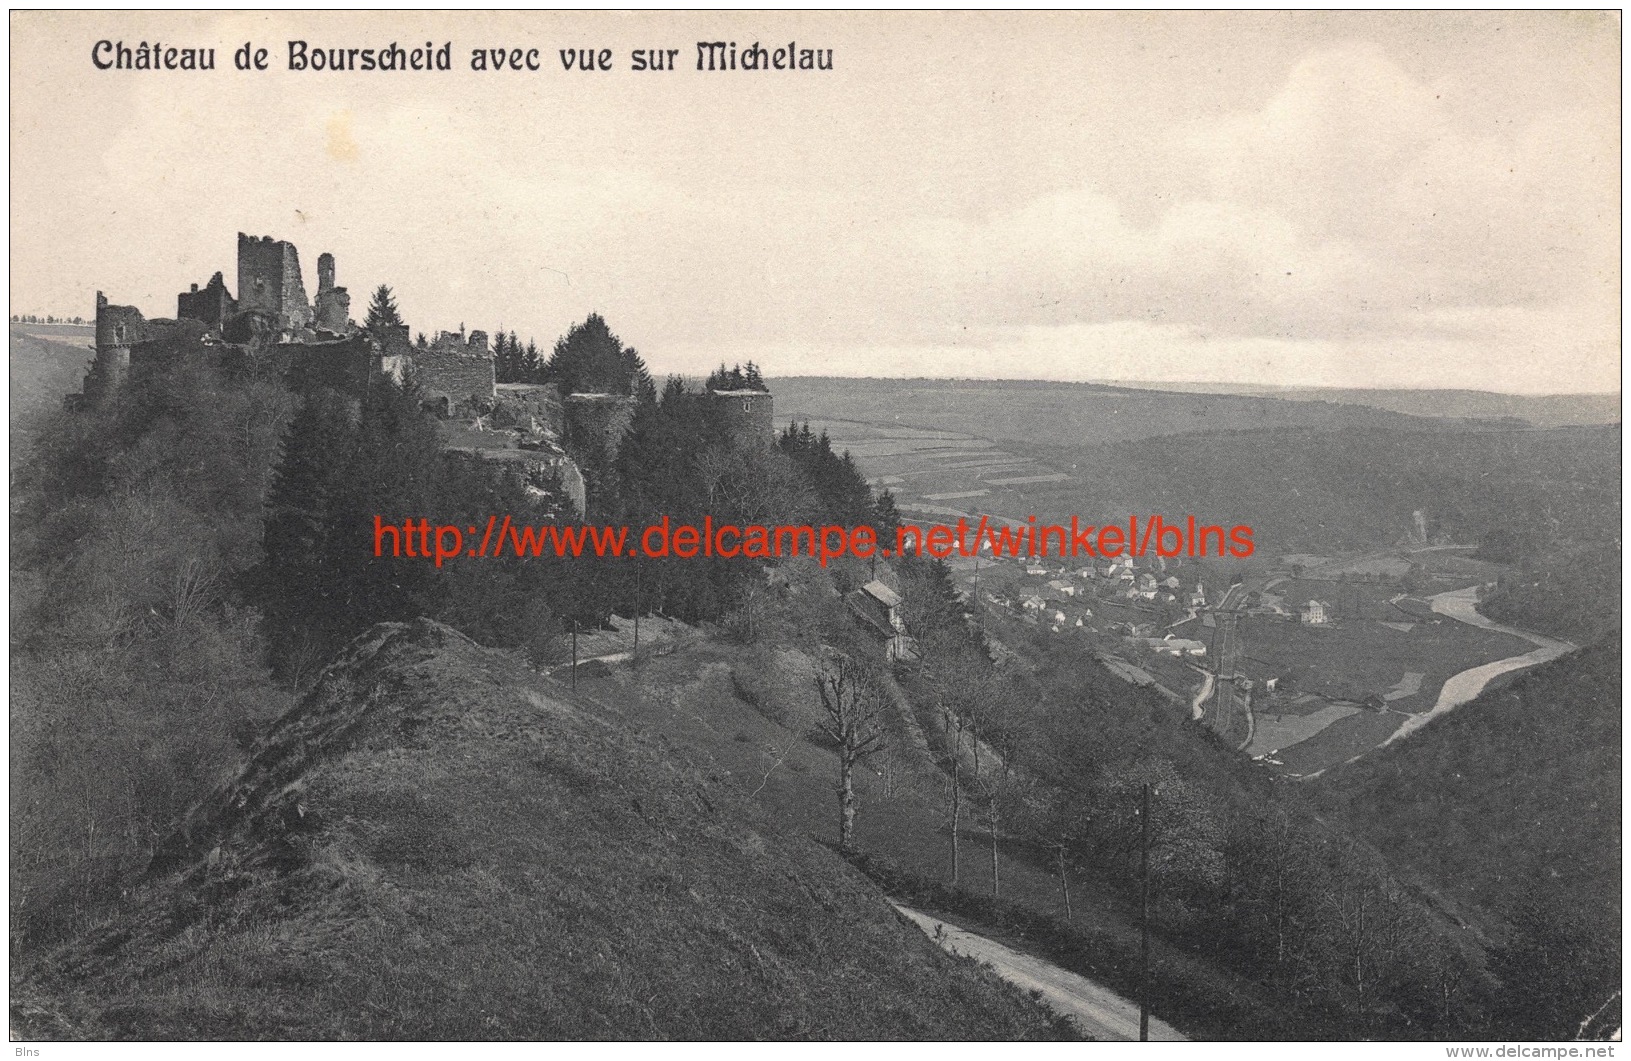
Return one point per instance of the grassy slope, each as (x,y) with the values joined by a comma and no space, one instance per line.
(436,844)
(1520,786)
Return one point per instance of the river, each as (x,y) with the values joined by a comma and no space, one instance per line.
(1461,605)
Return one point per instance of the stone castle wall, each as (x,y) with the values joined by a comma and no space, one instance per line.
(456,373)
(214,305)
(535,401)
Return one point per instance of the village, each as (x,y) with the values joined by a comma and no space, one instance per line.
(1298,661)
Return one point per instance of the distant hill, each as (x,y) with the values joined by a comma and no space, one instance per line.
(436,844)
(1541,410)
(1355,488)
(1060,413)
(42,372)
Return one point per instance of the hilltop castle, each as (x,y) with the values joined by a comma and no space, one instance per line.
(273,324)
(272,310)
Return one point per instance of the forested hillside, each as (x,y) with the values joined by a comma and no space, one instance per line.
(1512,805)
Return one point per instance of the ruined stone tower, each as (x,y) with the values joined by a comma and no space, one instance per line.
(333,303)
(269,282)
(117,329)
(749,416)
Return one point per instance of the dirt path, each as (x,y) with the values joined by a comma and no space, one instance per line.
(1196,710)
(1098,1011)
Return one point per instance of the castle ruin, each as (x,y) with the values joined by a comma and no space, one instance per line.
(269,283)
(271,327)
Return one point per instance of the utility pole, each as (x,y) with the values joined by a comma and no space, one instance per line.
(1144,926)
(979,611)
(574,655)
(634,657)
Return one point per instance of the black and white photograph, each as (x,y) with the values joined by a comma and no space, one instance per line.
(914,526)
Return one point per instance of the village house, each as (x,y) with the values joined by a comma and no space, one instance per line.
(1315,612)
(878,607)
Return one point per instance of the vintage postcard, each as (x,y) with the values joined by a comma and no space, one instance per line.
(816,526)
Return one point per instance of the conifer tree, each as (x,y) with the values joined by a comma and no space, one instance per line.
(503,369)
(382,311)
(590,359)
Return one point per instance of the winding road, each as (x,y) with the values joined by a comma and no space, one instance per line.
(1098,1011)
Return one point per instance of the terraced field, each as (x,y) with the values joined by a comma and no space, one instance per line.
(936,474)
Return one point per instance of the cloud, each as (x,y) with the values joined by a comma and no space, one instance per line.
(1344,213)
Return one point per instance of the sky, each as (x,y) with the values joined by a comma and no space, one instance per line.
(1337,199)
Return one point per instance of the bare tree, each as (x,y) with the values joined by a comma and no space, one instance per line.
(1056,820)
(996,784)
(955,724)
(1371,928)
(965,686)
(852,718)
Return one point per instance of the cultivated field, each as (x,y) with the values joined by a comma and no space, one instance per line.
(1342,740)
